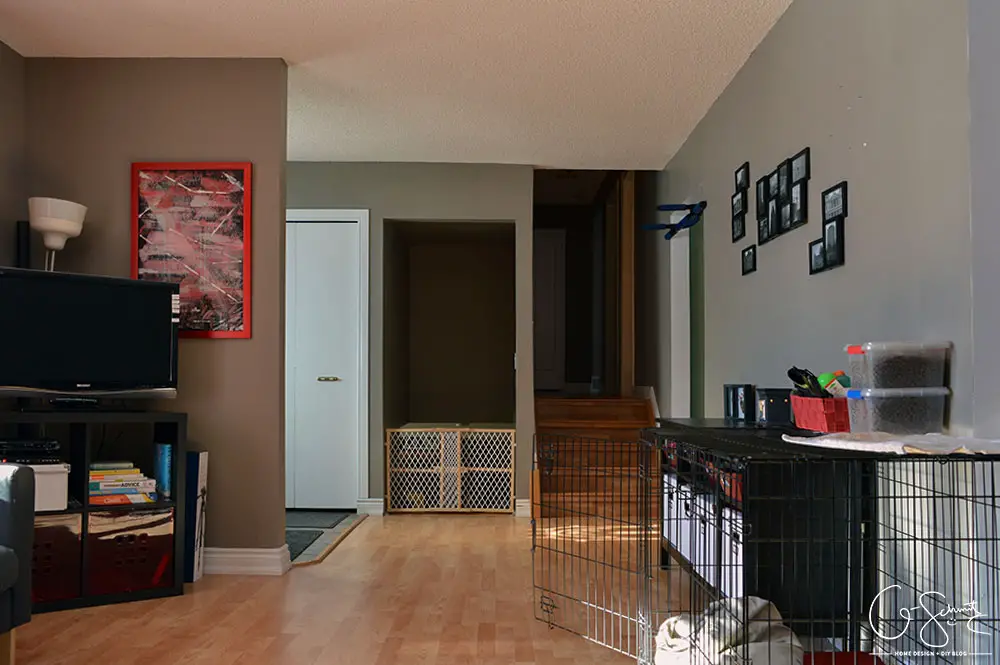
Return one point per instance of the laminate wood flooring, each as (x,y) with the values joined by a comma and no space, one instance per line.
(407,589)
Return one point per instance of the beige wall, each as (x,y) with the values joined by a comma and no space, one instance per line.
(88,119)
(879,91)
(13,199)
(438,192)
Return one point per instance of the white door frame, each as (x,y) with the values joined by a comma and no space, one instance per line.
(360,216)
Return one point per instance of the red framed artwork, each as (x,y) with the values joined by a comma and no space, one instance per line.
(191,226)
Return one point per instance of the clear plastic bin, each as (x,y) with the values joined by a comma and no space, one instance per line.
(897,410)
(897,364)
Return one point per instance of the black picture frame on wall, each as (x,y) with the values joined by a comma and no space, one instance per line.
(748,259)
(817,256)
(801,167)
(739,202)
(739,227)
(762,197)
(833,242)
(835,202)
(800,204)
(785,181)
(742,177)
(786,217)
(763,230)
(773,218)
(772,185)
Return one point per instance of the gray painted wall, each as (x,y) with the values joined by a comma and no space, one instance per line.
(13,190)
(880,92)
(430,192)
(984,93)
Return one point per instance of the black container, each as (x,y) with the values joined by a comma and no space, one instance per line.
(774,406)
(738,402)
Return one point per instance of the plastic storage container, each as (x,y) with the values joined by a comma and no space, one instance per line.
(897,410)
(897,364)
(51,487)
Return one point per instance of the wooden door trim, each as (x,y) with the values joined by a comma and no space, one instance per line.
(362,218)
(626,338)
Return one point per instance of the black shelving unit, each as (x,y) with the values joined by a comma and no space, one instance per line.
(97,555)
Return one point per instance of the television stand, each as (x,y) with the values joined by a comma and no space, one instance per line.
(74,403)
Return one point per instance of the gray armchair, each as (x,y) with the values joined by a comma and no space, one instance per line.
(17,536)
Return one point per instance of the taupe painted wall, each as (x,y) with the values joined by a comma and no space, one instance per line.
(432,192)
(88,119)
(13,197)
(880,92)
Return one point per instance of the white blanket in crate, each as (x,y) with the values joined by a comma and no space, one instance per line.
(717,636)
(900,444)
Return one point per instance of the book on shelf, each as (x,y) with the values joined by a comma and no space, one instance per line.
(111,466)
(122,499)
(109,486)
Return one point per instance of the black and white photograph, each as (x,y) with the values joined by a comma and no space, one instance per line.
(801,169)
(800,204)
(749,259)
(739,202)
(786,217)
(817,256)
(773,222)
(833,242)
(743,177)
(835,202)
(739,227)
(784,180)
(763,230)
(762,197)
(772,185)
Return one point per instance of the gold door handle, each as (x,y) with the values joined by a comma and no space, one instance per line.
(328,378)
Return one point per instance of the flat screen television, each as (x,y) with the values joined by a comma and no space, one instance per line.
(63,334)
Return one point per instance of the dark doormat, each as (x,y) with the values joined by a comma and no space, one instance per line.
(299,539)
(314,519)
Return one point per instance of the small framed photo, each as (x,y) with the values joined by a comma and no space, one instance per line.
(739,227)
(740,202)
(773,219)
(817,256)
(772,185)
(784,181)
(762,197)
(743,177)
(749,256)
(835,202)
(786,217)
(833,242)
(800,204)
(763,230)
(801,169)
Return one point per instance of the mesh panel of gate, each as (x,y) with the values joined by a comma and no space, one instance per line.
(760,551)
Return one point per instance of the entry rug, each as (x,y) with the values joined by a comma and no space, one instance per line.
(299,540)
(314,519)
(321,547)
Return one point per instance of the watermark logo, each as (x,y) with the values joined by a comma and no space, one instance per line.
(940,627)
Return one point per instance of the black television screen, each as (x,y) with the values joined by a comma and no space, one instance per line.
(79,334)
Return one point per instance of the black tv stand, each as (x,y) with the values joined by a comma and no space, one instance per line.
(75,403)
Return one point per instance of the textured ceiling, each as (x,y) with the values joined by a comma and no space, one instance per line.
(599,84)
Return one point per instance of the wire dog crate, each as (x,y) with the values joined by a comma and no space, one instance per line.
(450,469)
(732,546)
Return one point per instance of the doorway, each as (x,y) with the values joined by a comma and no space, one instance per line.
(326,359)
(449,323)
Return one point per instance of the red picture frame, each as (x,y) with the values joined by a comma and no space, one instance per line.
(191,224)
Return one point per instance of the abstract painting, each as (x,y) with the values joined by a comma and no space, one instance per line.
(191,226)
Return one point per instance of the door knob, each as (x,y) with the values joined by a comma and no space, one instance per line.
(328,378)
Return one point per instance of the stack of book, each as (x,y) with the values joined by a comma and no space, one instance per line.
(119,484)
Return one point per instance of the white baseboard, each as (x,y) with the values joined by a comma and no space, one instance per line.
(522,507)
(247,561)
(647,393)
(371,506)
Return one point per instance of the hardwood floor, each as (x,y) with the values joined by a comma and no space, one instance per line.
(407,589)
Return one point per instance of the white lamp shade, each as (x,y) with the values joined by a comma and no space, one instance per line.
(56,220)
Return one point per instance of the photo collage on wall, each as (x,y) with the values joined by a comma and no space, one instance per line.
(827,252)
(740,204)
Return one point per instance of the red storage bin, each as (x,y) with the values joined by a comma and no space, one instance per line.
(821,414)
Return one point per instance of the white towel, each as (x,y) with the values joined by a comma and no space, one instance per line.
(717,636)
(900,444)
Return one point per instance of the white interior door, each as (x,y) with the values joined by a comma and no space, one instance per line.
(324,386)
(550,308)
